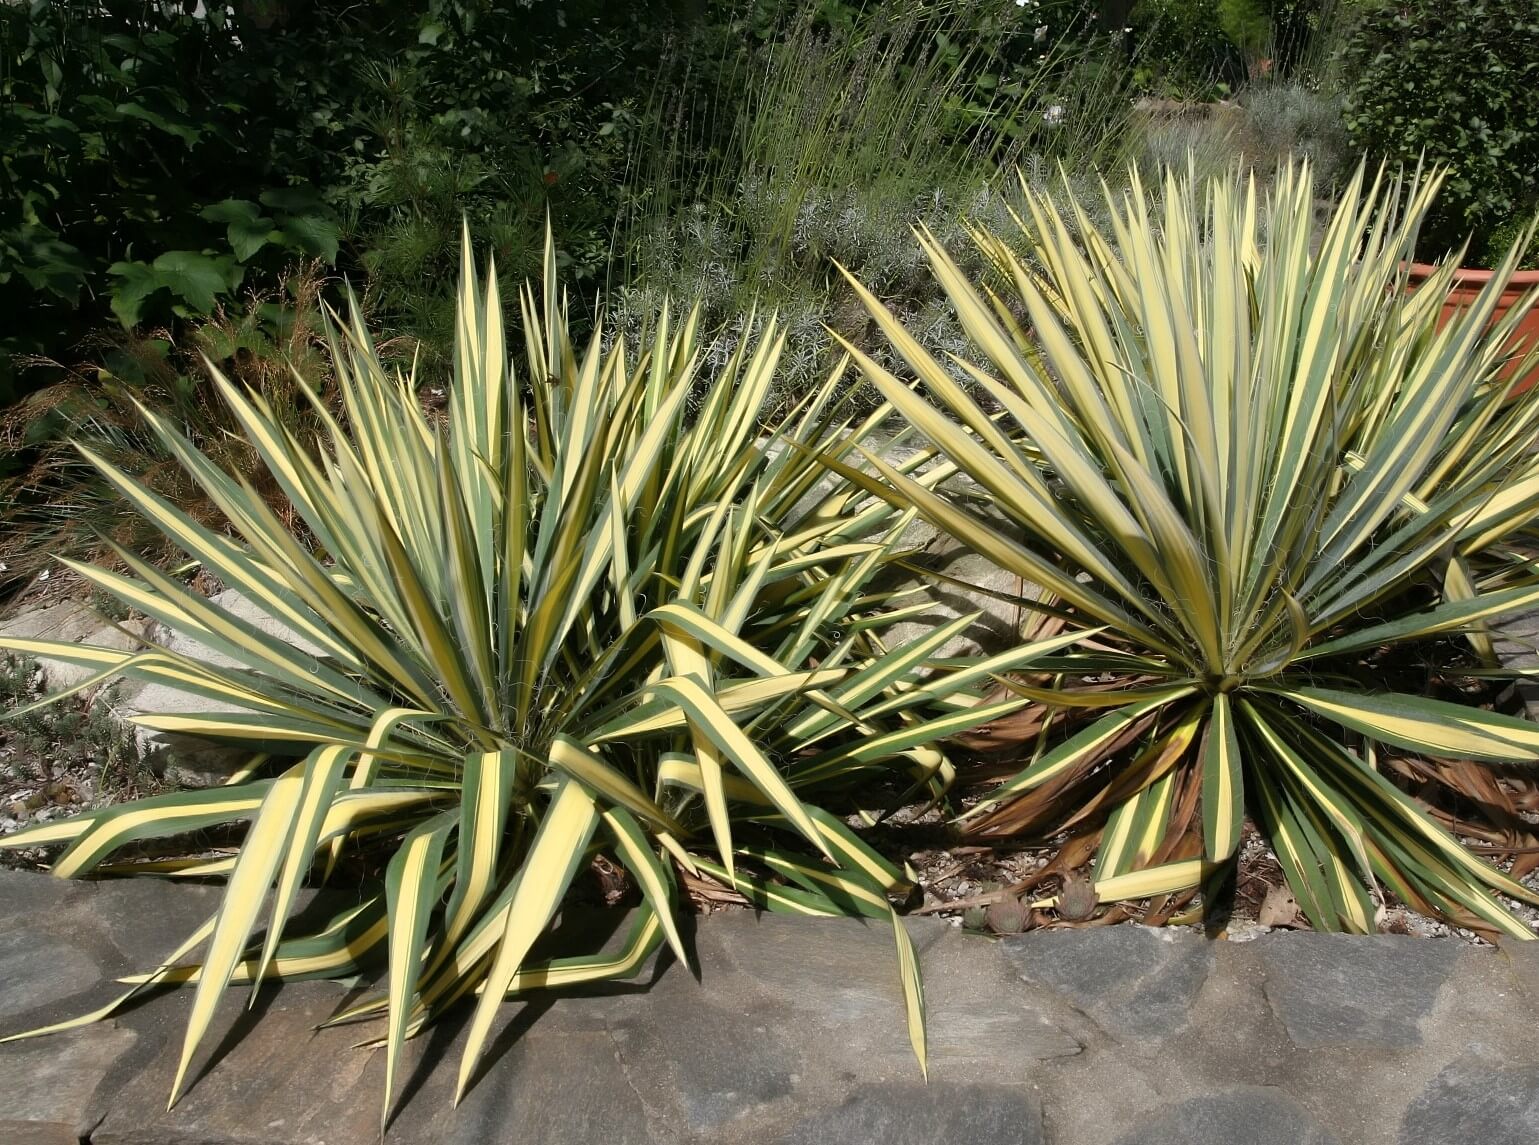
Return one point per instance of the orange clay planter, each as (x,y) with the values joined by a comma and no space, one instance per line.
(1467,283)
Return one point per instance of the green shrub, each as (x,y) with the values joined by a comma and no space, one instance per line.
(1253,471)
(145,173)
(1197,49)
(1452,83)
(160,158)
(1183,51)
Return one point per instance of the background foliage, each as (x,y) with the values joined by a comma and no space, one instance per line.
(179,184)
(1454,83)
(162,159)
(157,161)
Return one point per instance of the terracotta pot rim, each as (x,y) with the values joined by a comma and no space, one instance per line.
(1520,280)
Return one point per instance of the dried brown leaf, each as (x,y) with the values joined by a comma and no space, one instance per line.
(1279,908)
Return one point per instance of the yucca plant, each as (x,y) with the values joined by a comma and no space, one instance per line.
(594,612)
(1250,467)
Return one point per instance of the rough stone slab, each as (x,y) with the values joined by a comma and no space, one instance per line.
(50,1085)
(940,1114)
(284,1083)
(1354,990)
(1516,639)
(982,589)
(129,636)
(726,1059)
(239,606)
(37,1133)
(1250,1115)
(721,1064)
(141,919)
(843,975)
(186,760)
(777,949)
(27,898)
(999,623)
(36,971)
(983,1022)
(124,925)
(728,1056)
(74,622)
(1479,1099)
(275,1081)
(1522,959)
(66,621)
(567,1089)
(1135,982)
(793,1033)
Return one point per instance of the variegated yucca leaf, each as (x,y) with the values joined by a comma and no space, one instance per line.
(1251,458)
(595,609)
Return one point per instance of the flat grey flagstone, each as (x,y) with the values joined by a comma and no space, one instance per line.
(793,1034)
(36,971)
(1482,1099)
(1342,989)
(939,1114)
(1134,981)
(1248,1115)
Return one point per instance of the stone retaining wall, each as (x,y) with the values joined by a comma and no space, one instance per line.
(793,1035)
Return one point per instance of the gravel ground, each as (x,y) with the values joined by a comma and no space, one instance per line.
(59,760)
(961,874)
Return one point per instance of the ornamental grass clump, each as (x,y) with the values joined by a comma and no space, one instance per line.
(1251,469)
(593,612)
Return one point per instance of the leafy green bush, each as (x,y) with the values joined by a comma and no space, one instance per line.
(1198,49)
(142,171)
(162,157)
(1247,470)
(499,115)
(1183,50)
(1452,84)
(563,619)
